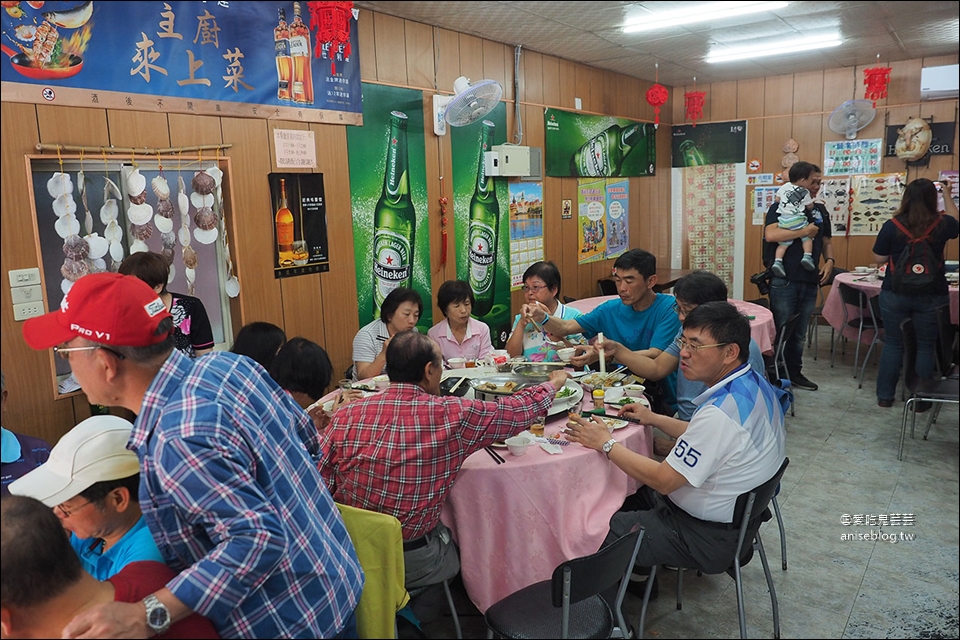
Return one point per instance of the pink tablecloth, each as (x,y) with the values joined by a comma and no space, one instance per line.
(762,327)
(833,306)
(515,522)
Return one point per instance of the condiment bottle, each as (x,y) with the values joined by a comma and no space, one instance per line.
(598,398)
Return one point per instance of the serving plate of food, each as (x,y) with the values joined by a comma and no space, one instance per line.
(569,396)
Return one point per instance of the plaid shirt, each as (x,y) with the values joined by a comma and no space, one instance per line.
(399,452)
(230,491)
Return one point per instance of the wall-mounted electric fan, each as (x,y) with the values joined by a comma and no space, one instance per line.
(850,117)
(471,102)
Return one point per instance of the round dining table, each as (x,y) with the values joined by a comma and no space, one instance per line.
(762,327)
(516,521)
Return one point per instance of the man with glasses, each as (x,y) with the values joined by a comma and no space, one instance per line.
(229,485)
(92,483)
(642,319)
(734,442)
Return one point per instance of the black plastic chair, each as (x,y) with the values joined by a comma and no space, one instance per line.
(854,298)
(939,391)
(607,286)
(878,333)
(946,344)
(813,328)
(570,604)
(568,299)
(779,360)
(749,513)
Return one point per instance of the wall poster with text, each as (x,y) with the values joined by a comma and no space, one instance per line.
(618,217)
(247,59)
(873,200)
(526,229)
(588,146)
(709,194)
(591,220)
(710,143)
(848,157)
(481,224)
(388,195)
(299,224)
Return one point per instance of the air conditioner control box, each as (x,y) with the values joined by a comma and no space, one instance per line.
(507,160)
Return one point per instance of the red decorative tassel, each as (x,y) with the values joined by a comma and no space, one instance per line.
(331,22)
(876,79)
(657,97)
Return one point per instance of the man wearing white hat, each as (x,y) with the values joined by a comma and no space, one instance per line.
(92,483)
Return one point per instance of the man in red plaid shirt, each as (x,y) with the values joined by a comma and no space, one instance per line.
(399,452)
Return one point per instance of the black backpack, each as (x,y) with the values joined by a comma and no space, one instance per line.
(918,269)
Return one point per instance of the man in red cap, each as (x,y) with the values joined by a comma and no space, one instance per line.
(228,467)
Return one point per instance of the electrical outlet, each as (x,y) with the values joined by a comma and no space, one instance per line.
(33,293)
(26,310)
(24,277)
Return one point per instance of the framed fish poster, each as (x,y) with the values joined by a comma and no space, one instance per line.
(835,195)
(874,200)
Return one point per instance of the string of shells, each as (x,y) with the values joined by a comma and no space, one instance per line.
(190,259)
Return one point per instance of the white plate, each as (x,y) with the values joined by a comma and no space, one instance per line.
(613,423)
(499,445)
(565,404)
(643,401)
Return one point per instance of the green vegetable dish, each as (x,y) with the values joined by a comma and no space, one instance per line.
(566,392)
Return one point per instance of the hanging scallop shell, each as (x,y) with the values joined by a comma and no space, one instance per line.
(116,250)
(65,286)
(167,255)
(172,274)
(135,183)
(110,189)
(203,183)
(190,274)
(64,204)
(164,225)
(206,219)
(215,173)
(73,270)
(59,184)
(140,213)
(168,239)
(76,248)
(183,204)
(67,226)
(109,211)
(141,231)
(113,233)
(160,187)
(165,209)
(138,246)
(97,266)
(232,286)
(190,259)
(206,236)
(98,246)
(199,200)
(184,236)
(139,198)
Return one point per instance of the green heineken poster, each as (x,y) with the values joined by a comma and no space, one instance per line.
(481,225)
(589,146)
(388,194)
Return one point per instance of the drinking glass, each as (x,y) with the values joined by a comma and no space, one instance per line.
(537,427)
(301,255)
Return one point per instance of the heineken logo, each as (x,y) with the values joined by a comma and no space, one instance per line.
(391,274)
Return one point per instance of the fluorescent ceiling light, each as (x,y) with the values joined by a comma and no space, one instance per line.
(701,13)
(789,46)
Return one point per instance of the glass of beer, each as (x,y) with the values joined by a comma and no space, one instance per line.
(536,428)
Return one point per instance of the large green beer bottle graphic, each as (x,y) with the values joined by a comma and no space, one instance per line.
(483,229)
(602,155)
(394,219)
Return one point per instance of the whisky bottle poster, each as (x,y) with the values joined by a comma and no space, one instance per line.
(588,146)
(481,223)
(300,239)
(712,143)
(618,217)
(403,252)
(591,220)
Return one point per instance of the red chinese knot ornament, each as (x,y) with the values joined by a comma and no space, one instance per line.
(331,21)
(876,79)
(693,103)
(657,97)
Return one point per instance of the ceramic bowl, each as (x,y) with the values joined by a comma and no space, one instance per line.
(566,354)
(517,445)
(457,363)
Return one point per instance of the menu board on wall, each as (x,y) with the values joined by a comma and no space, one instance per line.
(847,157)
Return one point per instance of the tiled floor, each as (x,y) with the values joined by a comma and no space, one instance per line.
(843,460)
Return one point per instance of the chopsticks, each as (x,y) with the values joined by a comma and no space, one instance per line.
(459,382)
(493,454)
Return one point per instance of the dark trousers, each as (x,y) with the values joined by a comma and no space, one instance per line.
(788,297)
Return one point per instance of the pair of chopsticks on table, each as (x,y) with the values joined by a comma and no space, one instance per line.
(493,454)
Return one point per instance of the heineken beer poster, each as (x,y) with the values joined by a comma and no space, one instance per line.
(592,220)
(589,146)
(388,194)
(481,225)
(526,229)
(300,224)
(618,217)
(714,143)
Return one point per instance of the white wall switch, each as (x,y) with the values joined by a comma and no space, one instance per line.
(33,293)
(24,277)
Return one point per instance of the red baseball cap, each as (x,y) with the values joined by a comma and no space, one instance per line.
(107,308)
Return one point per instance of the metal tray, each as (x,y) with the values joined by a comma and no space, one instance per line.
(498,380)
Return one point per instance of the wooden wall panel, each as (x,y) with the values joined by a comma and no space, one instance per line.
(391,49)
(448,59)
(138,129)
(628,98)
(551,80)
(64,125)
(750,98)
(778,96)
(723,101)
(471,57)
(494,65)
(568,84)
(532,69)
(194,130)
(807,92)
(418,46)
(368,46)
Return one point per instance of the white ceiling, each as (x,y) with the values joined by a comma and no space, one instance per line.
(589,32)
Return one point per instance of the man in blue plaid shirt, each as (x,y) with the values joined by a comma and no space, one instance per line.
(229,481)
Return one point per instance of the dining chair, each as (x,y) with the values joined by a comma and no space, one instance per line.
(779,359)
(751,510)
(938,390)
(571,604)
(878,333)
(946,343)
(813,328)
(851,297)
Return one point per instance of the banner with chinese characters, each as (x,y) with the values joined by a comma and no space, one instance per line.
(712,143)
(526,229)
(618,217)
(247,59)
(874,200)
(848,157)
(300,224)
(763,197)
(388,195)
(481,223)
(592,210)
(589,146)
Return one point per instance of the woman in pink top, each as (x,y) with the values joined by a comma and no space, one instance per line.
(458,334)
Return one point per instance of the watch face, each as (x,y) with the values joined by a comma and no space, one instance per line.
(158,618)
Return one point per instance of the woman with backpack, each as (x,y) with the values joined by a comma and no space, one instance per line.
(912,245)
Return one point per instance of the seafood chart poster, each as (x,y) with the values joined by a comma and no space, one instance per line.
(711,143)
(849,157)
(592,220)
(309,252)
(835,195)
(874,200)
(580,145)
(526,229)
(244,59)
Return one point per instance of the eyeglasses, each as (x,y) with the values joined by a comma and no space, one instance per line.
(64,352)
(683,344)
(72,510)
(534,289)
(680,310)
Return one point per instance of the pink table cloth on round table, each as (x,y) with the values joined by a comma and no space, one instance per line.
(762,327)
(833,305)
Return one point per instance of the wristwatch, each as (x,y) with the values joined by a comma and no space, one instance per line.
(607,446)
(158,617)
